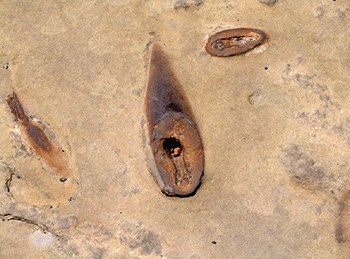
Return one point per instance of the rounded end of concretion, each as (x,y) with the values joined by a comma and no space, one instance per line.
(178,154)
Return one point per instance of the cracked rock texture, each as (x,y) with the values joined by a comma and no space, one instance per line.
(275,124)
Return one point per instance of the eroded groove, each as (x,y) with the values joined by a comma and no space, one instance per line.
(10,217)
(8,180)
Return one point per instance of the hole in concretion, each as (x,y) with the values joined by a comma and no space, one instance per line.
(213,242)
(172,147)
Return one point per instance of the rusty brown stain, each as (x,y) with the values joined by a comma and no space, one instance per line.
(37,138)
(234,41)
(342,231)
(16,108)
(177,157)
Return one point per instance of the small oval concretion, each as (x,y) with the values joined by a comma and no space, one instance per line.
(234,41)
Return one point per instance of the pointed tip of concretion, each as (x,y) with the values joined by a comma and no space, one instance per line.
(173,137)
(164,92)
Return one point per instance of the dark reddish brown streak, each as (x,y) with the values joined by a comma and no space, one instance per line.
(234,41)
(16,108)
(37,137)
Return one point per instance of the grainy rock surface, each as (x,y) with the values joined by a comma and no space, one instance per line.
(275,124)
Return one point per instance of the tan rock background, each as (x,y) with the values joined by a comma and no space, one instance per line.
(275,125)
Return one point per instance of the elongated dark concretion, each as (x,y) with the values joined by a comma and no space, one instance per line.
(176,156)
(38,139)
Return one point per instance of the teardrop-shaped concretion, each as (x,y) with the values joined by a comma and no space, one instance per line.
(234,41)
(175,151)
